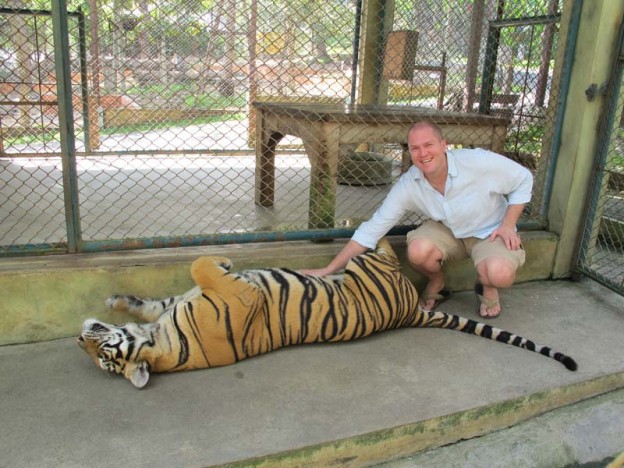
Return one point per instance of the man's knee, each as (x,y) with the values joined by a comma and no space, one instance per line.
(421,251)
(500,272)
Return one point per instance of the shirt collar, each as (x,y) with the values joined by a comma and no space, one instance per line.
(452,166)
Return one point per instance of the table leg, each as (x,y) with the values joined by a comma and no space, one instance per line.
(323,154)
(265,164)
(499,135)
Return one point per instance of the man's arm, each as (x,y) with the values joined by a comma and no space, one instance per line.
(350,250)
(369,232)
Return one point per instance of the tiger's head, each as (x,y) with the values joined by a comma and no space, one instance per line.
(117,349)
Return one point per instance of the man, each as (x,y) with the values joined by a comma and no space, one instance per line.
(473,199)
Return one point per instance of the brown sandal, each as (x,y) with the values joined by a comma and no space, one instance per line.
(438,298)
(489,303)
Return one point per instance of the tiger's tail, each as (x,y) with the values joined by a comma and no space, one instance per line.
(432,319)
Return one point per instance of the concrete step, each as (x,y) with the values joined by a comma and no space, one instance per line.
(588,434)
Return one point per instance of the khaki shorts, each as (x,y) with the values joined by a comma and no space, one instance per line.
(457,249)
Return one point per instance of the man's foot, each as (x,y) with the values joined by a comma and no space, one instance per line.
(434,294)
(488,302)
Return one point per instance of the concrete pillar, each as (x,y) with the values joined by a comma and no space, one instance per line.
(593,56)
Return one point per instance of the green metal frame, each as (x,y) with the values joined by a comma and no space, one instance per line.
(491,52)
(593,215)
(66,124)
(82,36)
(489,69)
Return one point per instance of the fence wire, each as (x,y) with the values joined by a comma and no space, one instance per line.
(166,130)
(601,255)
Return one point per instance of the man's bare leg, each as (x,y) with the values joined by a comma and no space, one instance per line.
(426,258)
(494,273)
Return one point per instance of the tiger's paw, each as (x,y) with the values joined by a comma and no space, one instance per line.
(123,303)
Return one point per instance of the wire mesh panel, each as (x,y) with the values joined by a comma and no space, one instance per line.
(174,143)
(602,248)
(31,189)
(489,57)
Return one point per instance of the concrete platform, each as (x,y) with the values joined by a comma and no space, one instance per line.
(49,297)
(352,404)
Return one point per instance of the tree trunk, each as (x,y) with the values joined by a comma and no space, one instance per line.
(142,32)
(227,86)
(509,72)
(253,79)
(548,36)
(474,45)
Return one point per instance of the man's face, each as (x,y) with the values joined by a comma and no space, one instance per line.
(427,150)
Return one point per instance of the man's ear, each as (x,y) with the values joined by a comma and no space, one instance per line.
(137,374)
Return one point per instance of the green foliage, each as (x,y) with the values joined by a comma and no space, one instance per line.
(35,136)
(157,89)
(526,139)
(190,95)
(617,160)
(208,101)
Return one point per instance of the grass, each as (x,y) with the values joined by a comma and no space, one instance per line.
(33,137)
(204,101)
(190,94)
(171,124)
(49,136)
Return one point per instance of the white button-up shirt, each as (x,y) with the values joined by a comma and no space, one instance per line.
(479,187)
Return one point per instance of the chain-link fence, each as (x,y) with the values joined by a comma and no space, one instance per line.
(171,150)
(601,255)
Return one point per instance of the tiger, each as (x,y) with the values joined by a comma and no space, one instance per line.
(230,316)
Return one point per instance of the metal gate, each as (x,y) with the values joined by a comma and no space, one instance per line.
(601,255)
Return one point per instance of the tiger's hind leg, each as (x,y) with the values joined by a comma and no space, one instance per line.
(384,249)
(149,310)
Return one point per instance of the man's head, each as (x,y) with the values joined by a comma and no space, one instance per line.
(427,148)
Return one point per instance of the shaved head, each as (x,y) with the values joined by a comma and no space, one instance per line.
(426,124)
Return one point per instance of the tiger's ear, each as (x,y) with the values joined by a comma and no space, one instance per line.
(137,374)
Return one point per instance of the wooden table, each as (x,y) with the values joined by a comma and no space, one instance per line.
(324,128)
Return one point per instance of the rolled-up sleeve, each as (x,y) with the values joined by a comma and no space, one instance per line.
(384,219)
(513,180)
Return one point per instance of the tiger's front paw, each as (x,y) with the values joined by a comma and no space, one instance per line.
(123,303)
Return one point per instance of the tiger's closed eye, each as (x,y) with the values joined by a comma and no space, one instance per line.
(106,365)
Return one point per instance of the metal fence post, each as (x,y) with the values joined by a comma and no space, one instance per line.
(66,123)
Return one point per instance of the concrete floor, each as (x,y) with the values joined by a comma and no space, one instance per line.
(359,403)
(146,196)
(127,195)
